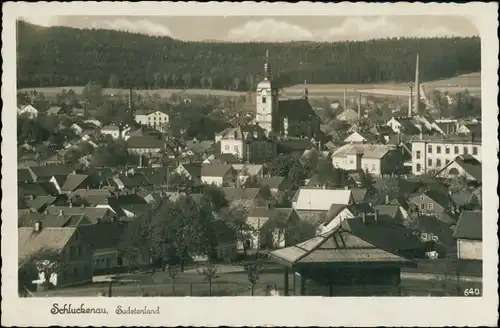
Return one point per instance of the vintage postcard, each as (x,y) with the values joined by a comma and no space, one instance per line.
(180,163)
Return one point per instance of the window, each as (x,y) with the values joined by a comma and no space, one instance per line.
(438,149)
(456,150)
(418,154)
(466,150)
(438,162)
(75,272)
(429,149)
(429,162)
(373,167)
(351,162)
(419,167)
(226,147)
(474,150)
(447,161)
(430,206)
(263,100)
(447,150)
(236,148)
(422,206)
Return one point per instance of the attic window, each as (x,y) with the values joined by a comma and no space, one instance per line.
(263,100)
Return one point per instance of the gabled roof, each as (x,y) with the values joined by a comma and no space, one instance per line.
(296,109)
(53,220)
(470,225)
(49,171)
(157,175)
(104,235)
(73,181)
(272,213)
(234,194)
(215,170)
(199,146)
(94,196)
(54,110)
(145,142)
(95,214)
(359,194)
(37,189)
(252,169)
(194,169)
(348,114)
(25,175)
(271,182)
(134,180)
(321,199)
(48,239)
(353,242)
(41,201)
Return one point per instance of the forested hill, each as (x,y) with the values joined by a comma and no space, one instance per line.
(61,56)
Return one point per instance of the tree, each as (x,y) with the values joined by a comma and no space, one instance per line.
(265,197)
(92,94)
(209,271)
(173,271)
(216,196)
(46,261)
(236,219)
(253,270)
(134,241)
(367,182)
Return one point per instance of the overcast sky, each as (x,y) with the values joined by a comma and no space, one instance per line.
(272,28)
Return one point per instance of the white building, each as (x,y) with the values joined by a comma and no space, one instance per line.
(468,233)
(433,153)
(376,159)
(158,119)
(114,131)
(28,111)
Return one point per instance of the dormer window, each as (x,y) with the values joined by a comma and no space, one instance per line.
(264,100)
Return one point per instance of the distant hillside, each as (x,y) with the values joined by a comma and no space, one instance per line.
(62,56)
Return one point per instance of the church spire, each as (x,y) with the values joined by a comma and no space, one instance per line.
(267,68)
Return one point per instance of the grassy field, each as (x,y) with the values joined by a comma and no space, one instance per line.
(232,281)
(471,81)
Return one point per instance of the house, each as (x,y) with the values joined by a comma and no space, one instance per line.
(152,118)
(53,220)
(268,228)
(436,233)
(445,126)
(25,175)
(275,184)
(46,172)
(95,214)
(348,115)
(93,197)
(111,130)
(467,199)
(37,189)
(248,171)
(133,181)
(375,159)
(54,110)
(199,147)
(28,111)
(190,170)
(47,245)
(432,202)
(294,146)
(40,203)
(313,205)
(469,235)
(158,176)
(469,129)
(249,143)
(431,153)
(242,196)
(78,181)
(104,240)
(355,137)
(145,145)
(129,205)
(76,129)
(405,125)
(217,174)
(463,165)
(359,195)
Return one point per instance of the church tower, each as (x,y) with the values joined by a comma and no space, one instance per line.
(267,100)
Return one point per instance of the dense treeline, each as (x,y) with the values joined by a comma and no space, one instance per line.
(62,56)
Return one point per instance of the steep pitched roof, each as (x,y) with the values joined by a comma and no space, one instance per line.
(470,225)
(359,194)
(145,142)
(73,181)
(25,175)
(234,194)
(134,180)
(41,201)
(271,182)
(215,170)
(49,171)
(104,235)
(296,109)
(38,189)
(194,169)
(48,239)
(95,214)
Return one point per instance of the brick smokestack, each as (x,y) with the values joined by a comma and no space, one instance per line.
(345,99)
(130,99)
(410,101)
(359,106)
(417,85)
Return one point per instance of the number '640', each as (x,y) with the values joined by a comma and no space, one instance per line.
(472,292)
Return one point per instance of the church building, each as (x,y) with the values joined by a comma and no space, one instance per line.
(291,117)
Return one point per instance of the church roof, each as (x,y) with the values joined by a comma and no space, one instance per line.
(297,109)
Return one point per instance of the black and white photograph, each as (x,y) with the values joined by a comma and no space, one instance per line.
(169,156)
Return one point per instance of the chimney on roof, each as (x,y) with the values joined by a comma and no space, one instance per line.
(61,212)
(363,217)
(359,107)
(387,198)
(38,226)
(346,187)
(130,99)
(376,215)
(345,98)
(82,205)
(70,204)
(306,93)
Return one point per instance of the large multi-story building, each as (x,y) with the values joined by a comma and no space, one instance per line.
(288,117)
(157,119)
(249,143)
(430,153)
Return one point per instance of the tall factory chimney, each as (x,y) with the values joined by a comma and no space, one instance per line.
(410,101)
(130,99)
(345,99)
(417,86)
(359,106)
